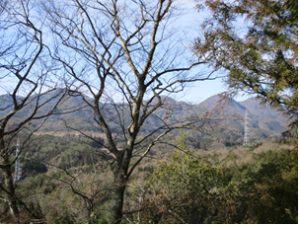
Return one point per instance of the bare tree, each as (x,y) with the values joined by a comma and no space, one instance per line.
(125,47)
(27,76)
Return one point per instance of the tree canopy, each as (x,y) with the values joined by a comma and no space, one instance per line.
(264,59)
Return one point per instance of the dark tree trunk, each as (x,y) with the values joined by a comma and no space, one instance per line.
(117,210)
(120,182)
(10,197)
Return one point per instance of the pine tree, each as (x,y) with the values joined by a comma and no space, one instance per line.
(264,61)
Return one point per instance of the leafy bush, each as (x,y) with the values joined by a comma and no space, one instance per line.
(187,190)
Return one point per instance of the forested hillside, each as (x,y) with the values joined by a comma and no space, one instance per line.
(263,118)
(92,131)
(65,181)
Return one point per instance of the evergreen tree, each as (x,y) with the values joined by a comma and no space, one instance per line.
(264,61)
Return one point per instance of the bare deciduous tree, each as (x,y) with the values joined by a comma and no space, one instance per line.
(26,76)
(125,47)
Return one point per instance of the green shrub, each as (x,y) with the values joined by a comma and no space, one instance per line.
(187,190)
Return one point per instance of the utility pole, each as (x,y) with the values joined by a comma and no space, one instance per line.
(246,135)
(18,166)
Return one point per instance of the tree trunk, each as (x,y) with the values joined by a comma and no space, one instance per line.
(9,185)
(120,181)
(117,210)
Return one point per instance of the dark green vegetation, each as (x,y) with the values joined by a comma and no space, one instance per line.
(64,152)
(223,185)
(187,190)
(211,179)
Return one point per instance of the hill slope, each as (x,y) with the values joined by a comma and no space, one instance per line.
(262,118)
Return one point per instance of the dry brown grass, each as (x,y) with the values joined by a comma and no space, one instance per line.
(271,146)
(244,153)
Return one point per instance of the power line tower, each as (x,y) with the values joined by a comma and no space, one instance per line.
(18,166)
(246,135)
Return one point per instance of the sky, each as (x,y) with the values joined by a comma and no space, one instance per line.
(188,26)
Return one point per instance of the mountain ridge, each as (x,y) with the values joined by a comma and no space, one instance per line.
(261,116)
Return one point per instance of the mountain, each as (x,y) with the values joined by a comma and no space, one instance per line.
(266,117)
(259,110)
(263,120)
(230,105)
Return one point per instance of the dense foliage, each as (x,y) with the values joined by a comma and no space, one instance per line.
(187,190)
(261,60)
(186,186)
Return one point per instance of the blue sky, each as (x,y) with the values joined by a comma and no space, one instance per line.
(189,22)
(187,26)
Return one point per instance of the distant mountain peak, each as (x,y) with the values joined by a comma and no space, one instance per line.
(230,104)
